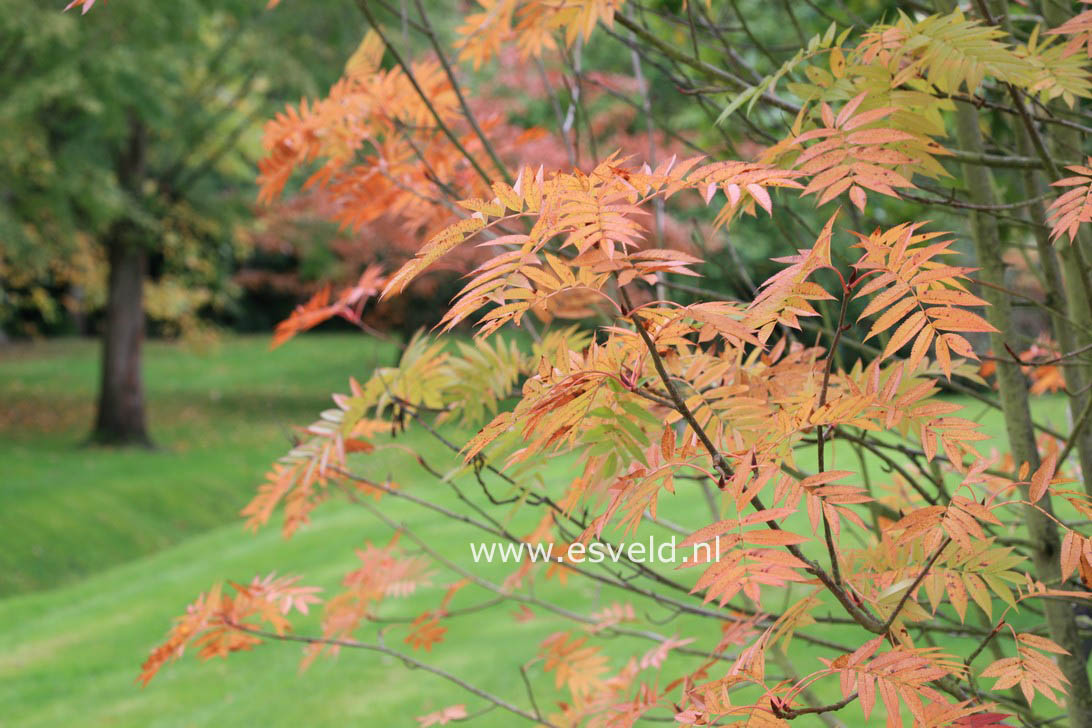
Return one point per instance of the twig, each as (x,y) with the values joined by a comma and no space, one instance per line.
(407,660)
(917,582)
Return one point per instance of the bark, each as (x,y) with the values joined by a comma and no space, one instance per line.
(1064,143)
(121,417)
(1066,293)
(1077,373)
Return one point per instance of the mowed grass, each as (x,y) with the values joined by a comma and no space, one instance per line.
(218,418)
(71,654)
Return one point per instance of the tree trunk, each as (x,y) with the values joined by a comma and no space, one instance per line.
(121,419)
(1060,618)
(1067,144)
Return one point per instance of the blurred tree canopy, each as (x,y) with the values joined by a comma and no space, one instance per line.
(128,149)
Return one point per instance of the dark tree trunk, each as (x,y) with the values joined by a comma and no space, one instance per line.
(120,419)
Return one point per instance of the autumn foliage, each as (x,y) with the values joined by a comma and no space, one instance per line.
(840,482)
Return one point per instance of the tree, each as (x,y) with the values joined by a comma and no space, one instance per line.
(843,486)
(140,136)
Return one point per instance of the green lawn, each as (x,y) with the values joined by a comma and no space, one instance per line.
(108,546)
(219,418)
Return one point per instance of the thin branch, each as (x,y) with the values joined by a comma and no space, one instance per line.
(917,582)
(407,660)
(790,713)
(486,144)
(951,201)
(366,11)
(836,571)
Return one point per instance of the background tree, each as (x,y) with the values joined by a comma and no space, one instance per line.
(138,138)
